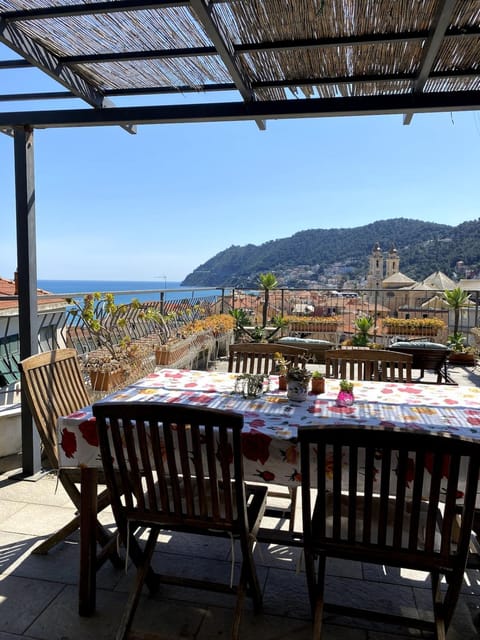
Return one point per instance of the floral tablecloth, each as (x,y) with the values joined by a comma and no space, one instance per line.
(271,421)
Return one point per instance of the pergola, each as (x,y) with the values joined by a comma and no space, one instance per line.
(282,58)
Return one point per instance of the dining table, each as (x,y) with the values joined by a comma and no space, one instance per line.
(269,436)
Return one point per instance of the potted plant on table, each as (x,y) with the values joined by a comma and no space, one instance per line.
(345,396)
(298,380)
(280,369)
(318,382)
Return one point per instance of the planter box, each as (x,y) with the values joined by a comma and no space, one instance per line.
(465,359)
(405,331)
(168,354)
(107,380)
(312,327)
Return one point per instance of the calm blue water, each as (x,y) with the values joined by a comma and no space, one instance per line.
(110,286)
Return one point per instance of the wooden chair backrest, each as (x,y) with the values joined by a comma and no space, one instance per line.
(379,493)
(368,364)
(54,387)
(257,357)
(174,466)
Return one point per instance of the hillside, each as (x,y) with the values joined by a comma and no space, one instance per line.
(424,247)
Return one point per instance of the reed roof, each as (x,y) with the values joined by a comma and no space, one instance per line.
(283,58)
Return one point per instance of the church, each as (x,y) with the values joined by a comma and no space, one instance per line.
(407,298)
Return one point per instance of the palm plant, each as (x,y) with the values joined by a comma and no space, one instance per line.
(363,326)
(267,282)
(456,299)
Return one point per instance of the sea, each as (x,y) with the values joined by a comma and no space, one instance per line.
(142,290)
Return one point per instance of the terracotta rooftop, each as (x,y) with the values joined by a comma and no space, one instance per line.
(8,288)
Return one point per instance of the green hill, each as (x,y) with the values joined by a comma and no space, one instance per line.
(424,247)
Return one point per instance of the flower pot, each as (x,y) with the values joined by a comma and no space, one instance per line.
(106,380)
(465,359)
(345,399)
(297,391)
(318,385)
(282,383)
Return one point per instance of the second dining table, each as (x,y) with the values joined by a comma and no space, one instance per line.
(271,423)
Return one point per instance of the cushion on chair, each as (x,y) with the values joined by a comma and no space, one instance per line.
(420,344)
(305,341)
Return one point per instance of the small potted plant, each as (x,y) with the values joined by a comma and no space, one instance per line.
(250,384)
(345,395)
(460,353)
(318,382)
(280,369)
(298,380)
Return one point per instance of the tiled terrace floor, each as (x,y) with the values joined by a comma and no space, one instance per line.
(38,594)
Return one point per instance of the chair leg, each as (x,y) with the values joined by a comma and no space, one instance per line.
(141,575)
(293,505)
(58,536)
(241,589)
(319,590)
(438,607)
(309,560)
(136,554)
(248,576)
(451,596)
(105,539)
(316,588)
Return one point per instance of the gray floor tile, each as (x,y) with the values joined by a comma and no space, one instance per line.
(21,601)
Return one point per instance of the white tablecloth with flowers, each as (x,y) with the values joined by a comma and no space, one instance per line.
(271,422)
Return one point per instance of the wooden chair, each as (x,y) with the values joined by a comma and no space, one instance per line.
(368,364)
(179,468)
(54,387)
(257,357)
(387,511)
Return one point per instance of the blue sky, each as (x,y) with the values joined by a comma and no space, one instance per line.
(110,205)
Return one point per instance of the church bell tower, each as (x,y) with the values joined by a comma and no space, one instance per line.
(376,268)
(393,262)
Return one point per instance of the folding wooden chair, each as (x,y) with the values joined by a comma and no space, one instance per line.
(179,468)
(54,387)
(258,357)
(368,364)
(388,498)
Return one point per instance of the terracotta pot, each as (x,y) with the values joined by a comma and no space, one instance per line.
(106,380)
(318,385)
(466,359)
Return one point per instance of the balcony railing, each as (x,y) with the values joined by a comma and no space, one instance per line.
(304,308)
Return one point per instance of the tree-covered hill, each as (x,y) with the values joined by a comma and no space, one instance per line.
(424,247)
